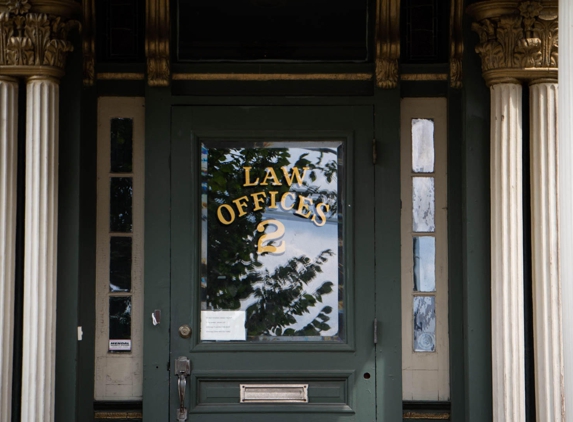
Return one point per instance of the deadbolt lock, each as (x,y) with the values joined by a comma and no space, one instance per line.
(185,331)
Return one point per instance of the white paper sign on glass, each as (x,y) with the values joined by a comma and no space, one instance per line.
(123,345)
(223,325)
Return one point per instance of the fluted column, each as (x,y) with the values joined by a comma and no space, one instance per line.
(545,252)
(38,369)
(518,42)
(507,254)
(565,170)
(8,176)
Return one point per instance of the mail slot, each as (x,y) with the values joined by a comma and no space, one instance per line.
(274,393)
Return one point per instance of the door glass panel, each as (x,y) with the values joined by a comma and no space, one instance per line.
(120,205)
(272,241)
(423,204)
(424,263)
(121,145)
(120,323)
(423,145)
(120,258)
(424,323)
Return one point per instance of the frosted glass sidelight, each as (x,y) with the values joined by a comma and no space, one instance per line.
(424,324)
(423,204)
(422,146)
(424,263)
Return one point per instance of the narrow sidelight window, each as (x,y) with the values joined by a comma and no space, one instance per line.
(425,340)
(119,282)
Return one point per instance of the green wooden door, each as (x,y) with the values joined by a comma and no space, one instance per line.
(272,262)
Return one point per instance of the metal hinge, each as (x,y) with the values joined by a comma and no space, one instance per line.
(375,330)
(374,153)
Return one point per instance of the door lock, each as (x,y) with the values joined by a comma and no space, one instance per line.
(182,371)
(185,331)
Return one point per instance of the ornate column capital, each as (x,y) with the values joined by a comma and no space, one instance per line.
(34,36)
(518,39)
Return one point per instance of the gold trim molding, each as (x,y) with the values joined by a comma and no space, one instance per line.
(34,37)
(88,32)
(456,43)
(424,77)
(261,77)
(387,43)
(518,39)
(121,76)
(27,71)
(118,415)
(423,415)
(157,36)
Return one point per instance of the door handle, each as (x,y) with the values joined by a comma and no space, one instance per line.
(182,371)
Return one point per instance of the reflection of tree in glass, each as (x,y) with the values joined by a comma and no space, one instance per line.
(119,317)
(329,171)
(233,271)
(281,296)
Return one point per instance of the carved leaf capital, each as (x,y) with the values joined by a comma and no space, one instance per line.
(33,39)
(516,36)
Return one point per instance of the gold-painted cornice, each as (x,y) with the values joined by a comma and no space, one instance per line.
(157,35)
(387,43)
(264,77)
(34,36)
(518,39)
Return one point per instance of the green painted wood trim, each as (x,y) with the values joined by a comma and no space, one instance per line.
(87,270)
(455,255)
(388,240)
(157,269)
(476,236)
(68,240)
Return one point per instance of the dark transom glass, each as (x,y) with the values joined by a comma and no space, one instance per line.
(273,30)
(424,31)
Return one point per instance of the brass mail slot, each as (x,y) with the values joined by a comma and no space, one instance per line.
(274,393)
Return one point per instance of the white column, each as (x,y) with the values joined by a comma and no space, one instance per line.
(545,252)
(8,177)
(39,348)
(565,169)
(507,254)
